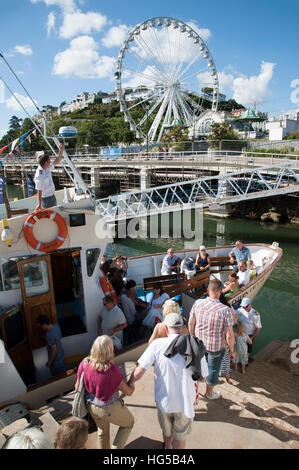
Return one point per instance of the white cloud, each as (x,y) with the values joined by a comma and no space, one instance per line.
(81,23)
(67,5)
(24,50)
(82,60)
(204,33)
(226,81)
(116,36)
(51,23)
(254,89)
(13,105)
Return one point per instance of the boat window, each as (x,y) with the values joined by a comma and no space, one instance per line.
(92,256)
(14,328)
(10,273)
(36,278)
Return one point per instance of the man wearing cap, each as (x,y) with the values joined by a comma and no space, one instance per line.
(174,387)
(168,264)
(44,182)
(212,322)
(251,320)
(239,253)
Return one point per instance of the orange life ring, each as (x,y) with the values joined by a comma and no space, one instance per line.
(107,287)
(45,214)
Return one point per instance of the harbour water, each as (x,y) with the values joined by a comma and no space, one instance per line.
(277,302)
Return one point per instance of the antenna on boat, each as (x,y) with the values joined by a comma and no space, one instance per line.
(77,180)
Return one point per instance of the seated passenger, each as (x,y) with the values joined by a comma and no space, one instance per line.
(112,322)
(243,274)
(239,253)
(135,311)
(170,263)
(155,307)
(232,285)
(188,267)
(203,261)
(251,268)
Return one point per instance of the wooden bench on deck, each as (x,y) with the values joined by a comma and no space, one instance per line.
(198,282)
(165,281)
(220,264)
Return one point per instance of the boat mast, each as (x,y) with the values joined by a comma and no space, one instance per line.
(77,178)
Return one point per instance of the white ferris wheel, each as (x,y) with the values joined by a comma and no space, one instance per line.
(164,74)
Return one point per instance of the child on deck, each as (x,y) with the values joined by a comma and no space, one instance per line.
(251,268)
(242,340)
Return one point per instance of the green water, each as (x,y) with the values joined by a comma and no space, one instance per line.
(277,301)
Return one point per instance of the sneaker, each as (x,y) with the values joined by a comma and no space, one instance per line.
(214,395)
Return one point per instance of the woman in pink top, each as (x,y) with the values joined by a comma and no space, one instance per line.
(102,381)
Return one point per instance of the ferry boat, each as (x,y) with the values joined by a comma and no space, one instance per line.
(64,283)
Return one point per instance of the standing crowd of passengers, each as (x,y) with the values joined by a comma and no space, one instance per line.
(216,337)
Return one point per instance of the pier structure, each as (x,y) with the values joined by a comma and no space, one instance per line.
(132,172)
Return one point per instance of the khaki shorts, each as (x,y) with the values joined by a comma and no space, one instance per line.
(175,424)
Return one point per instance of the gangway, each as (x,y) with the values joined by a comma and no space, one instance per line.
(207,192)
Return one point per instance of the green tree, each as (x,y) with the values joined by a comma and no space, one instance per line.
(222,131)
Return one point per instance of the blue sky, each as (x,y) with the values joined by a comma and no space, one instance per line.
(59,48)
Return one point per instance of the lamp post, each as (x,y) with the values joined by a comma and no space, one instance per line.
(146,108)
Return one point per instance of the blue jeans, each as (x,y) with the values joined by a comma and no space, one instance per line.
(214,360)
(49,202)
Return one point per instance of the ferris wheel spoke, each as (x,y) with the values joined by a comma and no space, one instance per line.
(143,75)
(146,63)
(194,104)
(143,120)
(185,109)
(153,130)
(189,65)
(198,72)
(141,102)
(143,45)
(160,50)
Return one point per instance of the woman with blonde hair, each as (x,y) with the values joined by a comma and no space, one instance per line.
(102,381)
(169,306)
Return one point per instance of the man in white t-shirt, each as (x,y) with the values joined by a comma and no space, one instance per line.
(44,182)
(112,321)
(243,274)
(174,387)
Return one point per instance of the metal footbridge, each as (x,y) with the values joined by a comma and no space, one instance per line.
(205,193)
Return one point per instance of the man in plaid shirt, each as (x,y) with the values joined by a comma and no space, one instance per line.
(212,322)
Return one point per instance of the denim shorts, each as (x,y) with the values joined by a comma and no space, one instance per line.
(214,360)
(49,202)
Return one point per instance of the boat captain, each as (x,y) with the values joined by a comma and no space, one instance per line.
(44,182)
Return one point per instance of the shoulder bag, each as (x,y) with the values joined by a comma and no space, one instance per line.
(79,406)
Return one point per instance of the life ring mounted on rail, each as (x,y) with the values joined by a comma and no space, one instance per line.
(45,214)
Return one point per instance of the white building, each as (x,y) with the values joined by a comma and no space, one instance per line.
(203,125)
(80,101)
(281,127)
